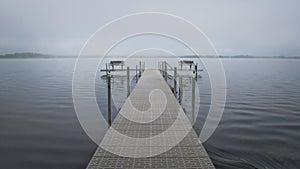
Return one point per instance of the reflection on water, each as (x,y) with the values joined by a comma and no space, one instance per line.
(259,129)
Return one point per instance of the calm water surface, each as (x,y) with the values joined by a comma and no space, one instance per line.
(260,127)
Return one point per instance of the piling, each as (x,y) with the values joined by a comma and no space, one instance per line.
(140,70)
(106,70)
(180,89)
(181,65)
(136,73)
(166,71)
(193,98)
(128,81)
(109,98)
(196,69)
(175,81)
(159,67)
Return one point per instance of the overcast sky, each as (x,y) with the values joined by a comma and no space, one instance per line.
(254,27)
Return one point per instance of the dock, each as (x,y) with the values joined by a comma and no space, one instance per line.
(125,144)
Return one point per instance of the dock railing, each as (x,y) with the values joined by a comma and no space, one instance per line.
(164,67)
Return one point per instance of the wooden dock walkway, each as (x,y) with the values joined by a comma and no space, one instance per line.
(115,151)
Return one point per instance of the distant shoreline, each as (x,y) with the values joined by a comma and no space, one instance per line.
(45,56)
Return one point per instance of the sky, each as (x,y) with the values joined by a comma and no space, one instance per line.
(247,27)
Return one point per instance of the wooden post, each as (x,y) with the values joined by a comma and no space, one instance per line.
(109,98)
(128,81)
(193,98)
(175,81)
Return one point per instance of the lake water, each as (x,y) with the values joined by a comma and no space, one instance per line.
(260,127)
